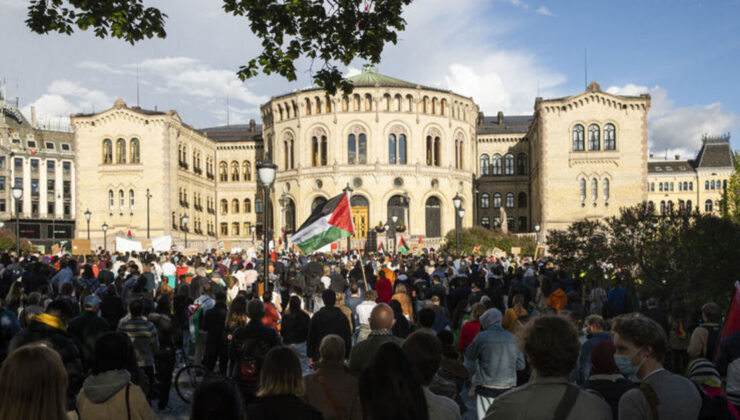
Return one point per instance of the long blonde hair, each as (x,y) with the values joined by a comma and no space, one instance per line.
(281,373)
(33,384)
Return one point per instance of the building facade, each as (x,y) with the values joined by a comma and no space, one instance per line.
(40,162)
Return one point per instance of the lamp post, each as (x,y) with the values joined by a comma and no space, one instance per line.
(461,213)
(348,190)
(283,201)
(266,172)
(17,195)
(87,217)
(105,236)
(457,201)
(407,201)
(53,220)
(148,196)
(537,233)
(185,219)
(252,228)
(395,220)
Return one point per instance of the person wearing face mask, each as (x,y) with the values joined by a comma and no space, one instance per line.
(594,330)
(641,348)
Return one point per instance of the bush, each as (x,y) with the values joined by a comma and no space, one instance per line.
(7,241)
(488,240)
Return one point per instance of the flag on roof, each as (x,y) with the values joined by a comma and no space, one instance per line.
(403,247)
(326,224)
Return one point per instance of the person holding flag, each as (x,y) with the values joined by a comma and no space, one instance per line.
(403,247)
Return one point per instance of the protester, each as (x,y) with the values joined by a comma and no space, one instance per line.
(87,327)
(164,359)
(704,341)
(471,328)
(294,330)
(143,335)
(281,386)
(704,375)
(363,314)
(217,399)
(514,313)
(332,390)
(595,329)
(214,322)
(604,378)
(401,326)
(381,321)
(33,384)
(328,320)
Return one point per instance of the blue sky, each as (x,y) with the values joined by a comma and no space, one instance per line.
(500,52)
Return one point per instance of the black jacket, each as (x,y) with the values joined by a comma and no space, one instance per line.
(86,328)
(215,320)
(112,310)
(294,327)
(65,345)
(328,320)
(106,277)
(279,407)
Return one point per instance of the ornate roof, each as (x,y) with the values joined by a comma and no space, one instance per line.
(370,78)
(715,152)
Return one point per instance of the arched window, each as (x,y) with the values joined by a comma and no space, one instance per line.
(402,149)
(578,144)
(308,106)
(135,151)
(691,186)
(660,186)
(706,184)
(356,102)
(671,186)
(680,186)
(583,189)
(594,189)
(315,151)
(509,200)
(485,164)
(708,206)
(594,142)
(120,199)
(496,200)
(235,206)
(247,170)
(430,150)
(496,167)
(121,151)
(258,205)
(224,206)
(521,164)
(247,205)
(223,171)
(605,186)
(107,151)
(670,208)
(318,148)
(368,102)
(234,171)
(318,201)
(131,199)
(111,202)
(509,164)
(345,103)
(392,144)
(610,140)
(522,200)
(485,201)
(712,184)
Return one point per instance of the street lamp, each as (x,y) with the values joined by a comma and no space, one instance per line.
(148,196)
(284,201)
(537,232)
(185,219)
(348,190)
(266,173)
(395,220)
(457,201)
(87,217)
(252,228)
(17,195)
(406,201)
(105,236)
(53,219)
(461,213)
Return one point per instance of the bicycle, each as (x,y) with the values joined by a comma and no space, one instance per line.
(189,377)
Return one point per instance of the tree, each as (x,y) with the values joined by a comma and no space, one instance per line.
(330,31)
(581,249)
(488,240)
(730,203)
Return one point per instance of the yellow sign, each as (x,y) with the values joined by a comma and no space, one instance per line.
(81,247)
(539,252)
(515,250)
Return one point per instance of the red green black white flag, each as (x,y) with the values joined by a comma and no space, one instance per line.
(326,224)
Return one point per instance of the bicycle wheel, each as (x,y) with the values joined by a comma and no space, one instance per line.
(188,379)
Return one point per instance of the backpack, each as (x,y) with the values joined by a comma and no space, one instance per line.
(7,278)
(713,408)
(249,363)
(713,341)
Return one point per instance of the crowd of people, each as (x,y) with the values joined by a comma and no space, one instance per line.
(430,336)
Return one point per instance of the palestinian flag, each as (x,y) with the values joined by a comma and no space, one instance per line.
(326,224)
(403,247)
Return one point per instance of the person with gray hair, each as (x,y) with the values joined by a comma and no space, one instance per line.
(492,360)
(332,390)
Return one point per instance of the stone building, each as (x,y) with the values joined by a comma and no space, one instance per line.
(40,161)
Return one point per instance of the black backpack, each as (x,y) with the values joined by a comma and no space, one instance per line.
(7,278)
(713,408)
(249,363)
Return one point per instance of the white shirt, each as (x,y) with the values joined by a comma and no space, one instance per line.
(169,269)
(363,311)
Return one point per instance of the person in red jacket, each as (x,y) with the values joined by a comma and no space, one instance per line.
(471,328)
(271,317)
(384,288)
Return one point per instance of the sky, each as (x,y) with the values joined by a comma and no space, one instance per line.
(503,53)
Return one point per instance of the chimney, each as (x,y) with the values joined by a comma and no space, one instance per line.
(500,118)
(678,157)
(155,108)
(33,116)
(252,125)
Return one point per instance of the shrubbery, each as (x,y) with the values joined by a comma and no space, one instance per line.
(488,239)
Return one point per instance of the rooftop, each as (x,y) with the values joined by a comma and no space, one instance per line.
(669,166)
(505,124)
(231,133)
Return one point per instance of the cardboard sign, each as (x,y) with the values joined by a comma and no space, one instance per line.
(498,252)
(146,244)
(539,252)
(81,247)
(55,249)
(515,250)
(190,251)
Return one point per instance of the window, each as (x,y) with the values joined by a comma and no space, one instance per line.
(497,200)
(652,186)
(712,183)
(235,206)
(235,228)
(485,164)
(318,149)
(67,210)
(2,205)
(224,206)
(35,186)
(392,145)
(594,189)
(357,148)
(2,162)
(509,164)
(402,149)
(593,137)
(50,185)
(136,153)
(120,199)
(31,143)
(510,223)
(50,145)
(50,167)
(680,186)
(605,186)
(131,199)
(521,164)
(67,190)
(486,222)
(578,145)
(65,146)
(66,168)
(433,150)
(224,229)
(35,207)
(610,142)
(107,151)
(18,163)
(258,206)
(35,166)
(522,200)
(706,184)
(496,167)
(234,171)
(662,208)
(121,151)
(522,224)
(689,208)
(708,207)
(111,203)
(2,183)
(509,200)
(223,172)
(485,201)
(18,182)
(671,186)
(660,186)
(247,205)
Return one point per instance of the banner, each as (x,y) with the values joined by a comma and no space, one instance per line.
(162,243)
(127,245)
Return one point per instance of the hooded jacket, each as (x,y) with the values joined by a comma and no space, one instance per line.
(104,396)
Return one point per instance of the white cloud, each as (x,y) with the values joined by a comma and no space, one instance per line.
(678,130)
(167,64)
(543,10)
(101,67)
(352,71)
(62,98)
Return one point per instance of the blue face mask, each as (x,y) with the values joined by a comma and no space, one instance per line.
(624,364)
